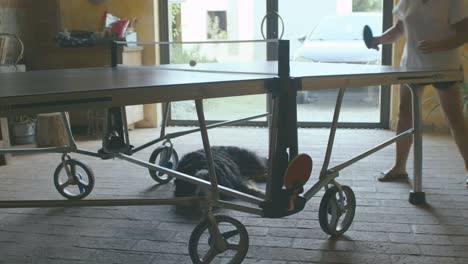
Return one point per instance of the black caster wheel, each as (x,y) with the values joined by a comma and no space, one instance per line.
(166,157)
(335,214)
(78,184)
(235,241)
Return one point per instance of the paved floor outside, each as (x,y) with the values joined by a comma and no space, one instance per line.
(386,228)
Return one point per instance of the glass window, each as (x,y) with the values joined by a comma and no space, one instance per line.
(331,32)
(319,31)
(195,20)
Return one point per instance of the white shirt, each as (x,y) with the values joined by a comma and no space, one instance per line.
(431,20)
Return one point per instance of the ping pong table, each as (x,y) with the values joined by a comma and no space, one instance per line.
(117,86)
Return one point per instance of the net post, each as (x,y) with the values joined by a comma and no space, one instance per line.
(283,58)
(114,49)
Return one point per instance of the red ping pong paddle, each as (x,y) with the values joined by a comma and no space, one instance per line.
(298,171)
(368,37)
(297,174)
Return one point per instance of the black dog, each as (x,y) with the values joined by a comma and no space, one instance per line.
(235,169)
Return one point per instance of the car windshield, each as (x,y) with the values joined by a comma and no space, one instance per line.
(345,27)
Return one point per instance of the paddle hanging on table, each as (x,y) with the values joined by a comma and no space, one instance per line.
(296,176)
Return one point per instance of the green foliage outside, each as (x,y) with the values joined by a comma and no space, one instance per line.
(367,5)
(214,31)
(175,11)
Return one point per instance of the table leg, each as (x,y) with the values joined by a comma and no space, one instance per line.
(417,196)
(206,145)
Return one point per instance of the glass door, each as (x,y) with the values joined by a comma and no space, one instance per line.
(331,32)
(216,20)
(319,31)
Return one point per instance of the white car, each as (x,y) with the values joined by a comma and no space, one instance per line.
(338,39)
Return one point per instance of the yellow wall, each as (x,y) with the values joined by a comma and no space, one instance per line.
(83,15)
(436,119)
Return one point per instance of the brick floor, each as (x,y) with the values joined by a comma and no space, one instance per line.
(386,229)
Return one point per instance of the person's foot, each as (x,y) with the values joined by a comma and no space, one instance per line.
(392,175)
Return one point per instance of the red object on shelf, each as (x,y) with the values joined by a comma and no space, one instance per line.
(119,27)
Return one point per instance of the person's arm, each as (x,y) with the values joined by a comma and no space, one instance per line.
(390,36)
(460,38)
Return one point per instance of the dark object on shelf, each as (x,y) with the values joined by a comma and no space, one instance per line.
(6,56)
(76,39)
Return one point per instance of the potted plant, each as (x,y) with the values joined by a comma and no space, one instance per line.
(23,129)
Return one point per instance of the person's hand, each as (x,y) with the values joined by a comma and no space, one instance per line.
(427,46)
(376,41)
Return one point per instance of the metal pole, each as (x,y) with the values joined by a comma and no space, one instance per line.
(103,202)
(166,107)
(207,148)
(66,124)
(272,155)
(417,196)
(281,157)
(331,138)
(165,136)
(125,126)
(191,179)
(343,165)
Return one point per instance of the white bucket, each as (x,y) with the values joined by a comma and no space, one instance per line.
(24,133)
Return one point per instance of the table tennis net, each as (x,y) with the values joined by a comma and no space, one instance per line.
(258,57)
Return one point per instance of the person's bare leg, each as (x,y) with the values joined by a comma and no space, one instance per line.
(451,102)
(403,146)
